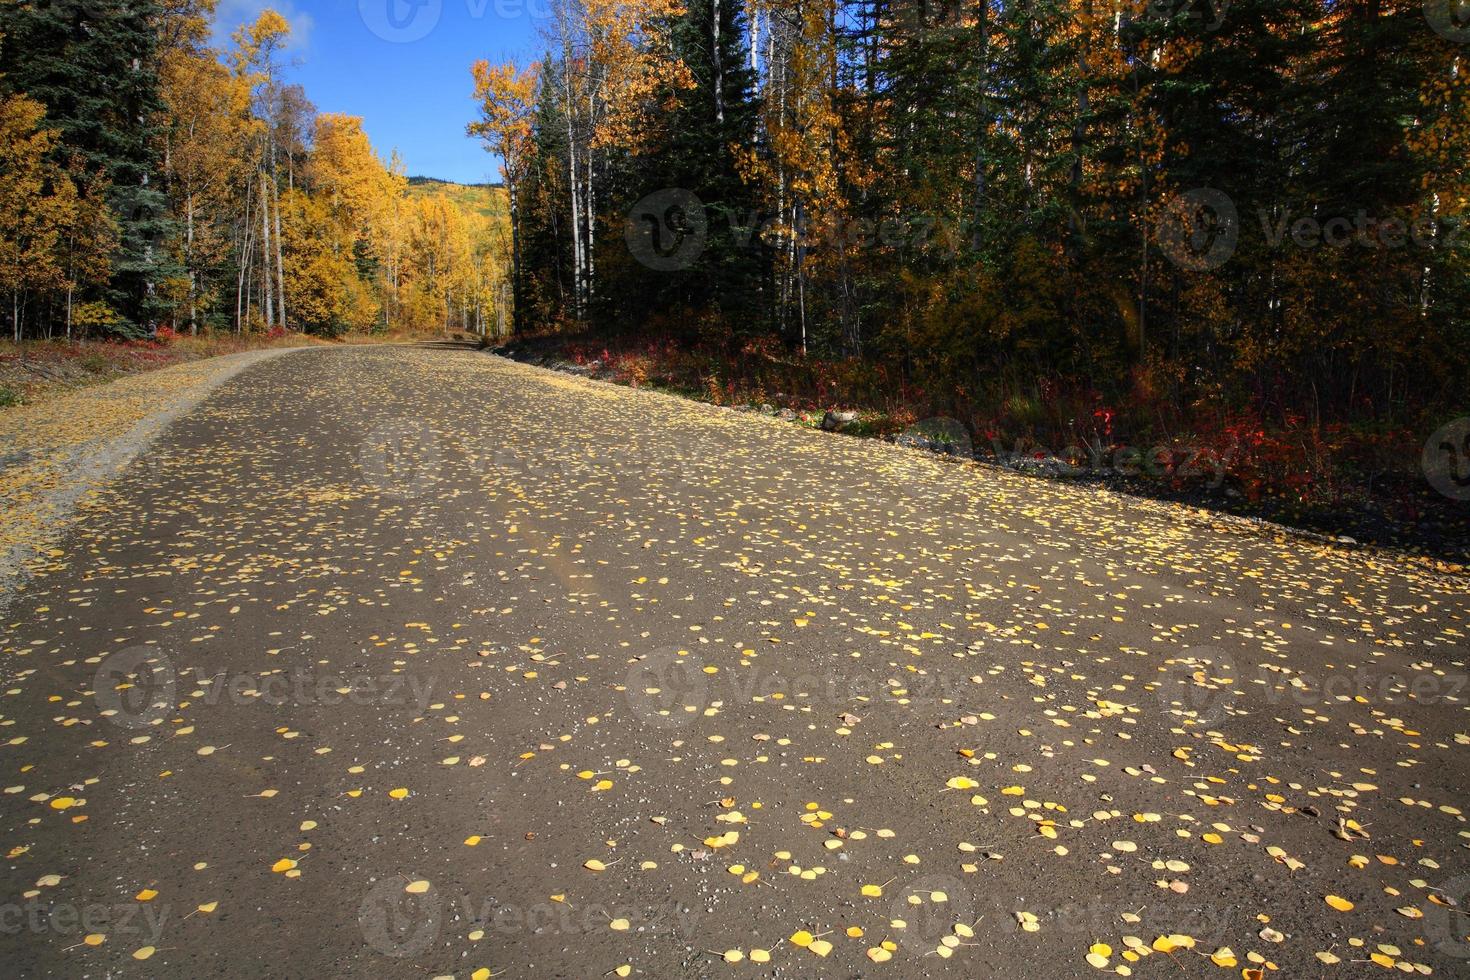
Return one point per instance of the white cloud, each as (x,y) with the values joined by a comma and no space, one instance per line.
(232,13)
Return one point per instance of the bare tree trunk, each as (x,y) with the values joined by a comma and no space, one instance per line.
(1143,270)
(783,293)
(189,263)
(801,276)
(244,254)
(265,248)
(515,253)
(247,271)
(719,70)
(982,129)
(1143,279)
(589,258)
(753,22)
(280,267)
(576,218)
(566,30)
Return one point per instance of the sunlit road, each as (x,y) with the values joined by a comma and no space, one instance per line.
(396,662)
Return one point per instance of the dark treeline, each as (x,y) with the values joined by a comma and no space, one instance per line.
(1182,208)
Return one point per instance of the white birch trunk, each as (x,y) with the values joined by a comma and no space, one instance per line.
(265,247)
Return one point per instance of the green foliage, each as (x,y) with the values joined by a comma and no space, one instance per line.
(94,66)
(696,146)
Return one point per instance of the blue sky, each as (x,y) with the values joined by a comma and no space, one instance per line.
(404,66)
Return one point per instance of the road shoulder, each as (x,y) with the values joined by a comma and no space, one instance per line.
(54,453)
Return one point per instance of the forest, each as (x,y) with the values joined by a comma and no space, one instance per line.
(151,183)
(1230,228)
(1067,222)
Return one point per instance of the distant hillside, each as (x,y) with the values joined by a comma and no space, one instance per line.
(487,199)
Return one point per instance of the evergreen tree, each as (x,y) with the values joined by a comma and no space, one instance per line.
(695,148)
(94,66)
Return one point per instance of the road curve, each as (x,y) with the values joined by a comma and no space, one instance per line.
(410,662)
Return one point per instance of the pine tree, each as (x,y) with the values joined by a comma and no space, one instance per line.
(711,118)
(94,66)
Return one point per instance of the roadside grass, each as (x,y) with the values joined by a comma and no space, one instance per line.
(36,370)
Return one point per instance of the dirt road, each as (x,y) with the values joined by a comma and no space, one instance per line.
(395,662)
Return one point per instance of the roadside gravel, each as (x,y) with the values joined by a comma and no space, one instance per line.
(54,453)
